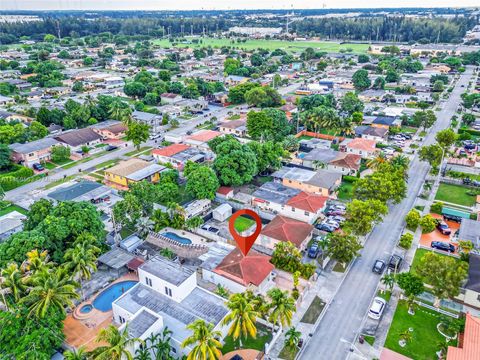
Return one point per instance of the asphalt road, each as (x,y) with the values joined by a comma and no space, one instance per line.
(345,315)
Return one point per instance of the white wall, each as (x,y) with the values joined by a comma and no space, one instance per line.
(217,279)
(178,292)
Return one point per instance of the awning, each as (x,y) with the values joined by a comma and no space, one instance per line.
(134,264)
(455,212)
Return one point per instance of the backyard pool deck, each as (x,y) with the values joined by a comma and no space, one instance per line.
(194,238)
(84,330)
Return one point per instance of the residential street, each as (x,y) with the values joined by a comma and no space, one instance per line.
(346,313)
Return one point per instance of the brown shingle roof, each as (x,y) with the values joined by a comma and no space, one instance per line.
(78,137)
(127,167)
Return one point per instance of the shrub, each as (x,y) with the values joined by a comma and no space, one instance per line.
(428,224)
(412,219)
(436,207)
(406,241)
(350,179)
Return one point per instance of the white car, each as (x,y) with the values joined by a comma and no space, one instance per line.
(332,222)
(389,151)
(377,308)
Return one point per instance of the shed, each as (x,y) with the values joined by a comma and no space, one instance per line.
(222,212)
(116,259)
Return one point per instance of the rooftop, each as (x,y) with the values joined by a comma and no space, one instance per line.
(135,169)
(74,191)
(33,145)
(275,192)
(308,202)
(116,258)
(167,270)
(78,137)
(470,349)
(245,270)
(473,282)
(141,323)
(285,229)
(470,230)
(204,135)
(170,150)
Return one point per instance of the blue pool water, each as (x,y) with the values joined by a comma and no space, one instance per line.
(177,238)
(85,309)
(103,301)
(301,155)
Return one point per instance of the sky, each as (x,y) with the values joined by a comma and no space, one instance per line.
(221,5)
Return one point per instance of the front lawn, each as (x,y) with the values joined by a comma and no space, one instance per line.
(420,253)
(243,223)
(12,208)
(455,194)
(288,353)
(313,311)
(264,335)
(425,336)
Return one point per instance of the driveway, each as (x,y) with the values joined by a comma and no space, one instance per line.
(346,313)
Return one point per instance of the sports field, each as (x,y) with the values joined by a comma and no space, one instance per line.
(290,46)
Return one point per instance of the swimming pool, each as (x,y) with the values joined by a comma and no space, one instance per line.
(177,238)
(85,309)
(104,300)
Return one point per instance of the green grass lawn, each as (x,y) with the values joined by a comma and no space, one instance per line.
(369,339)
(456,194)
(288,353)
(107,163)
(13,208)
(425,337)
(243,223)
(136,152)
(385,295)
(49,165)
(59,181)
(290,46)
(345,191)
(264,335)
(305,137)
(313,311)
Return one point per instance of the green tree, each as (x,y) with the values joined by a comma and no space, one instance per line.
(392,76)
(406,241)
(241,318)
(362,215)
(428,223)
(268,155)
(79,354)
(379,83)
(360,79)
(60,153)
(411,284)
(446,138)
(5,153)
(432,154)
(281,307)
(127,211)
(259,124)
(438,86)
(424,119)
(50,289)
(205,340)
(138,133)
(343,247)
(412,219)
(443,273)
(292,338)
(13,280)
(350,103)
(202,183)
(118,344)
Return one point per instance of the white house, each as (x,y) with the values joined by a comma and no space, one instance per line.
(168,296)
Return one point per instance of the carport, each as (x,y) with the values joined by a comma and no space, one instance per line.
(455,212)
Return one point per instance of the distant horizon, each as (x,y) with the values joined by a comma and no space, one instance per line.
(208,5)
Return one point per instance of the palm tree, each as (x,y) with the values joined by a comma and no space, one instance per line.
(50,289)
(406,336)
(37,261)
(400,161)
(12,281)
(81,261)
(121,112)
(143,353)
(205,341)
(374,163)
(79,354)
(292,337)
(160,344)
(281,306)
(242,317)
(118,342)
(144,226)
(388,280)
(443,347)
(318,164)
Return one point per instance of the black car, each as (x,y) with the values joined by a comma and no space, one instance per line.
(314,250)
(378,266)
(38,167)
(111,148)
(440,245)
(394,263)
(452,218)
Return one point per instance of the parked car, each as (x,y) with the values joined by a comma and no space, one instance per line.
(325,227)
(467,181)
(38,167)
(378,266)
(337,218)
(389,151)
(332,223)
(452,218)
(395,263)
(443,228)
(440,245)
(111,147)
(313,250)
(377,308)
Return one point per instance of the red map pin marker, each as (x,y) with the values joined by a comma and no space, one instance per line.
(245,243)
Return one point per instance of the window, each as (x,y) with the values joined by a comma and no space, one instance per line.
(168,291)
(122,320)
(293,209)
(148,281)
(307,213)
(174,350)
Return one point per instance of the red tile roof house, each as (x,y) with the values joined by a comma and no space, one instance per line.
(177,155)
(363,147)
(347,164)
(283,229)
(238,273)
(469,348)
(114,130)
(224,192)
(201,138)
